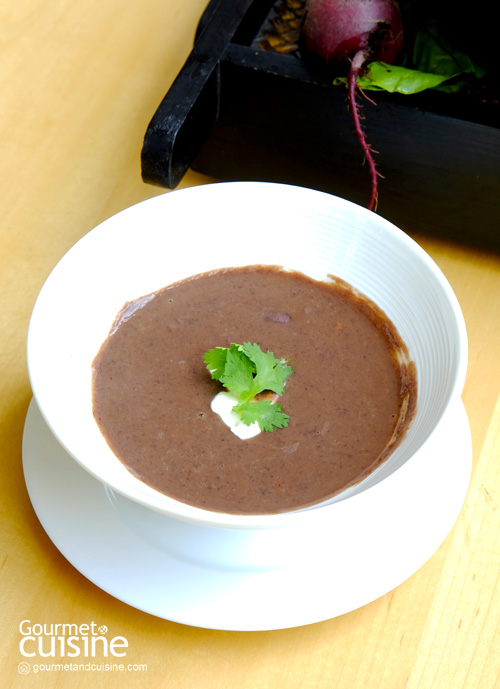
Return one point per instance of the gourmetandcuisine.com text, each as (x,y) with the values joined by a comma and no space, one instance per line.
(25,668)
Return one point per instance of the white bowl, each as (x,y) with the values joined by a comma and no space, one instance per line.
(190,231)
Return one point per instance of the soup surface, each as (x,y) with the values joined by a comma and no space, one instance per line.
(350,398)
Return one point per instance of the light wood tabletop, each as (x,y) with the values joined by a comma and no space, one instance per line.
(80,83)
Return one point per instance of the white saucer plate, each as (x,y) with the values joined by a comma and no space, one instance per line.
(349,564)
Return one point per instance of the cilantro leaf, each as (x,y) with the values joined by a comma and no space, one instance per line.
(245,370)
(215,360)
(263,412)
(270,372)
(238,372)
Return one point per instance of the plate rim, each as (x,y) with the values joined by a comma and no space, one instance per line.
(211,598)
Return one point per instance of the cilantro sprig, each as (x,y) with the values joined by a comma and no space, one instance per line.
(246,371)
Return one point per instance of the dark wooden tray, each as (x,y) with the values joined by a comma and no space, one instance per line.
(240,109)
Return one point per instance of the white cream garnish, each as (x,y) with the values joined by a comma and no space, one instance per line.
(222,404)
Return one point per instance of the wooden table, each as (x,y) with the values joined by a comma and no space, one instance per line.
(80,82)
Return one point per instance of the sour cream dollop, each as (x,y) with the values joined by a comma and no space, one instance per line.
(222,404)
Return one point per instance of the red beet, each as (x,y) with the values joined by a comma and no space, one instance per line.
(354,32)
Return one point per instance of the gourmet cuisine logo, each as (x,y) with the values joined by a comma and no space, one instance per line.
(69,641)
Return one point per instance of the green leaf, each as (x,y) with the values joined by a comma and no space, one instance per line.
(271,373)
(263,412)
(433,63)
(432,53)
(380,76)
(245,371)
(238,372)
(215,360)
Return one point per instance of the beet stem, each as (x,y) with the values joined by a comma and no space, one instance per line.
(357,63)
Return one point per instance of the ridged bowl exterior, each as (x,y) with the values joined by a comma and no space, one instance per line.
(198,229)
